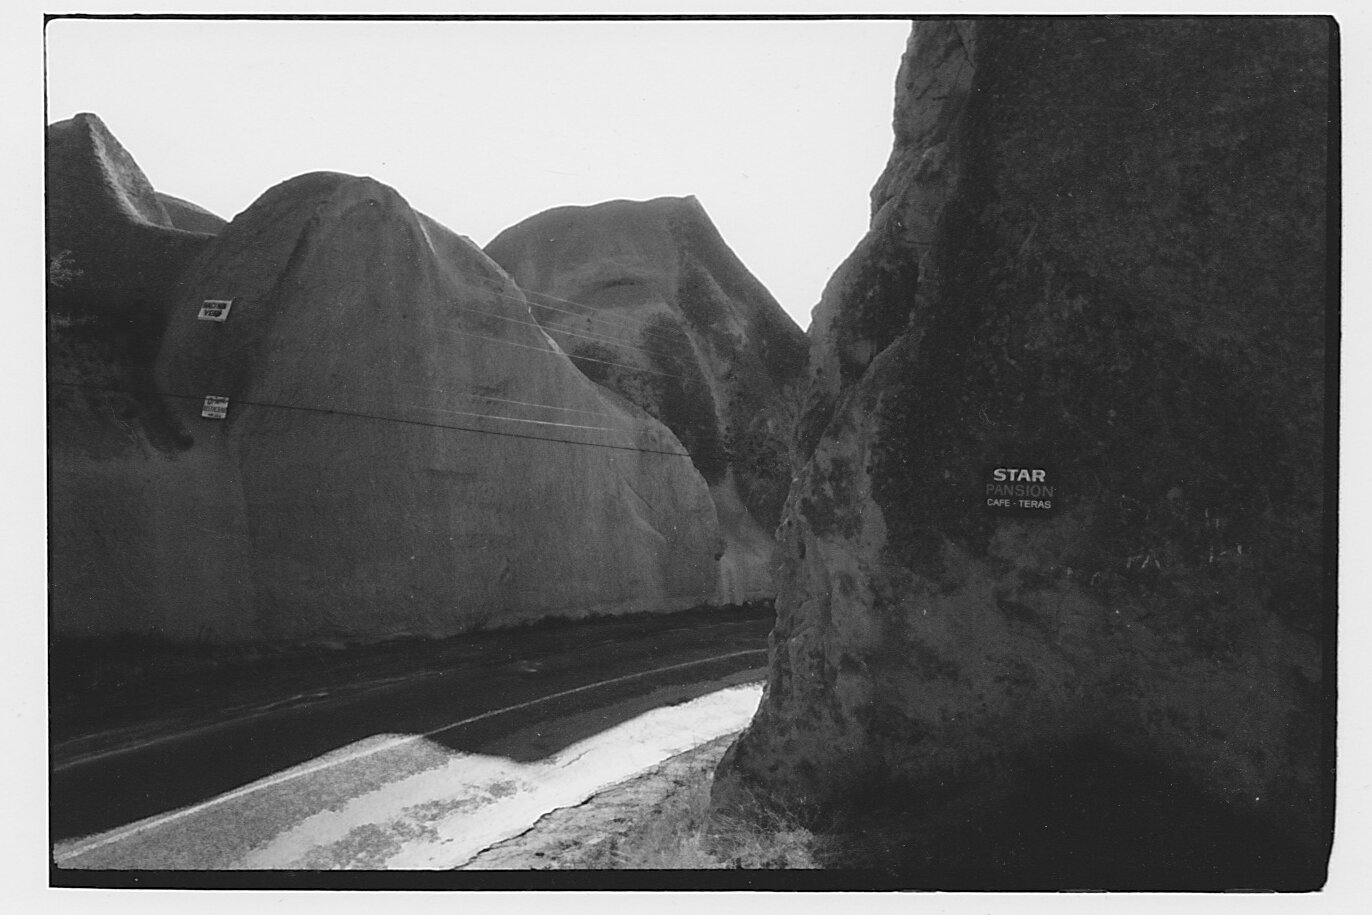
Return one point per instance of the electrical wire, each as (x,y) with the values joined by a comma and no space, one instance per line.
(522,403)
(511,419)
(618,319)
(372,416)
(585,335)
(556,352)
(634,324)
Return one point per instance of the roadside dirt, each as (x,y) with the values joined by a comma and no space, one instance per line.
(589,835)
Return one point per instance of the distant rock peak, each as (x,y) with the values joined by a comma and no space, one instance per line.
(652,304)
(100,158)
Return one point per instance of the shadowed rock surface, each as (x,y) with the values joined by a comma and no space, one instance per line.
(114,254)
(651,303)
(189,216)
(1099,245)
(114,245)
(337,501)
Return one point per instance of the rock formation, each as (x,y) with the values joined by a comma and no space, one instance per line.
(115,248)
(404,451)
(651,303)
(114,244)
(189,216)
(1099,248)
(114,254)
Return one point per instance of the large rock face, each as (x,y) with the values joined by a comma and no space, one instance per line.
(1099,246)
(115,251)
(651,303)
(405,451)
(190,216)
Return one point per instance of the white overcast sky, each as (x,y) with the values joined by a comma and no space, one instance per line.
(779,127)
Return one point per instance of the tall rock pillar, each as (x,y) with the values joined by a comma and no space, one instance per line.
(1098,251)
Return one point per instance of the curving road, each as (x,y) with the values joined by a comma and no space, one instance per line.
(519,696)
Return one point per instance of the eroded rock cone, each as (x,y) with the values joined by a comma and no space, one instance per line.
(404,451)
(1099,246)
(115,249)
(115,244)
(651,303)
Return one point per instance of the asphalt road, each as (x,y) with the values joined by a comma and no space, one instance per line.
(523,694)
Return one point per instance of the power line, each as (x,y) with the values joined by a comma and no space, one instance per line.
(633,323)
(523,403)
(585,335)
(624,319)
(555,352)
(512,419)
(372,416)
(623,322)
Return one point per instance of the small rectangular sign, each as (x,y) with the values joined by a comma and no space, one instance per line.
(215,309)
(1026,488)
(215,407)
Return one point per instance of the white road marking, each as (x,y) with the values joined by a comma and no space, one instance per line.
(329,761)
(258,711)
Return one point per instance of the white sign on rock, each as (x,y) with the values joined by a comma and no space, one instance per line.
(215,309)
(215,407)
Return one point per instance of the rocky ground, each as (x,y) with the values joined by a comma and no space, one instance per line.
(1058,829)
(593,834)
(652,820)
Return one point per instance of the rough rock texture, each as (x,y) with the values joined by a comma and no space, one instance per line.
(623,826)
(114,244)
(114,255)
(115,249)
(189,216)
(1100,245)
(650,302)
(392,459)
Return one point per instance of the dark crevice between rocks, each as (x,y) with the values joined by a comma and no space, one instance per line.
(672,390)
(878,304)
(100,365)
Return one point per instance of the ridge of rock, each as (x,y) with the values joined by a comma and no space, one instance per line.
(191,217)
(113,248)
(82,149)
